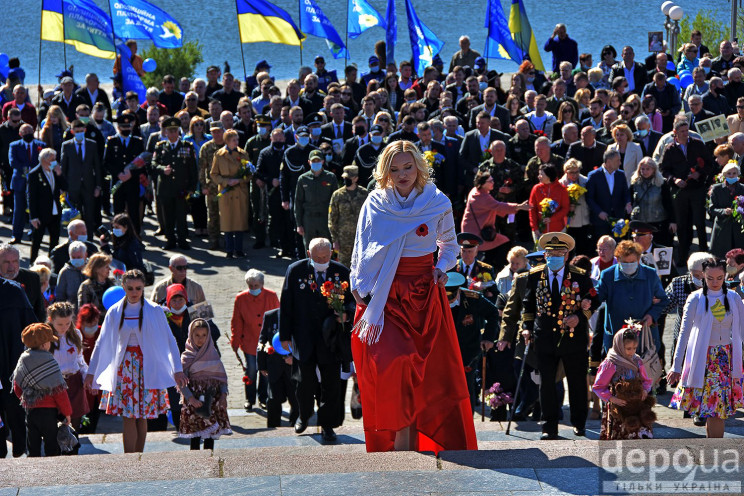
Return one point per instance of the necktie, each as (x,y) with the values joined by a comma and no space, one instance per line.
(555,294)
(321,277)
(80,151)
(338,131)
(126,142)
(30,159)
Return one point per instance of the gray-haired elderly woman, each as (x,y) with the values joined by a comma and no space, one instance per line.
(727,232)
(248,312)
(71,276)
(651,200)
(45,182)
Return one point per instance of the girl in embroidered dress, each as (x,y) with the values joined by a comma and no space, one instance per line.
(207,378)
(622,364)
(404,330)
(68,351)
(707,360)
(135,360)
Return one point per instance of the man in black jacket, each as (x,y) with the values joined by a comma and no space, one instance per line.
(90,94)
(120,150)
(631,70)
(10,269)
(306,319)
(714,99)
(268,169)
(278,369)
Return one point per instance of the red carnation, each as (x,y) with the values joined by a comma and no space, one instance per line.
(593,292)
(567,283)
(313,286)
(468,369)
(422,230)
(270,350)
(247,380)
(38,148)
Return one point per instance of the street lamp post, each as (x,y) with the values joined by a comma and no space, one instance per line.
(665,7)
(675,13)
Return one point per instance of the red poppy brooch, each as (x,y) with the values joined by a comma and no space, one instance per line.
(422,230)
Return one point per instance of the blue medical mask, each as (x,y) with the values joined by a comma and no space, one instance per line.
(118,232)
(629,268)
(482,85)
(255,292)
(376,139)
(697,282)
(77,262)
(374,68)
(263,131)
(82,238)
(79,137)
(329,157)
(315,132)
(303,140)
(530,79)
(555,263)
(316,166)
(706,69)
(732,180)
(642,133)
(53,164)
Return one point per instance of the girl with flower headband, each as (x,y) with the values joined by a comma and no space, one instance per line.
(708,358)
(622,364)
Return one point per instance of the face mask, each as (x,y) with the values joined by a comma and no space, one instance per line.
(255,292)
(262,131)
(360,130)
(82,238)
(348,181)
(530,79)
(118,232)
(629,268)
(125,132)
(84,120)
(79,137)
(374,68)
(732,180)
(377,139)
(329,157)
(482,85)
(278,146)
(315,132)
(303,140)
(642,133)
(555,263)
(316,166)
(706,69)
(319,267)
(731,270)
(90,330)
(53,164)
(77,262)
(697,282)
(178,312)
(28,138)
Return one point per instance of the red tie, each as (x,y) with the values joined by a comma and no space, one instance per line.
(30,160)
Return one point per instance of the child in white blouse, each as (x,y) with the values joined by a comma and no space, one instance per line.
(68,352)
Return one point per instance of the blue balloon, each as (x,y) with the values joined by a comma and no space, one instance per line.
(671,66)
(112,296)
(674,82)
(277,344)
(149,65)
(686,80)
(682,73)
(4,60)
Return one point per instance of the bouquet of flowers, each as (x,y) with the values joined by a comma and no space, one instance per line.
(482,277)
(139,162)
(620,228)
(245,171)
(548,206)
(539,133)
(334,294)
(434,159)
(497,397)
(737,210)
(575,192)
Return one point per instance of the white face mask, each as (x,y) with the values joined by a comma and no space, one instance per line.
(319,267)
(178,312)
(90,330)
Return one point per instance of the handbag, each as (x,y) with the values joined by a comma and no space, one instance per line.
(649,356)
(488,233)
(207,398)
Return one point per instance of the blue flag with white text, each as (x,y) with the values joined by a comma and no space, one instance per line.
(391,31)
(424,44)
(499,43)
(141,20)
(314,22)
(362,16)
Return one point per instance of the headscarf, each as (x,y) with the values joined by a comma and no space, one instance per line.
(202,363)
(617,354)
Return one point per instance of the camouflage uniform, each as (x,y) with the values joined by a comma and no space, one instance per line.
(343,213)
(206,156)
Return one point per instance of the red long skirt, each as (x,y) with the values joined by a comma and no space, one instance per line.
(414,376)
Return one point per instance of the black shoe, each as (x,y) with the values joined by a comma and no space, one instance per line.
(258,246)
(579,431)
(240,254)
(300,426)
(328,436)
(229,254)
(170,245)
(14,241)
(184,245)
(248,406)
(519,417)
(698,421)
(214,245)
(547,436)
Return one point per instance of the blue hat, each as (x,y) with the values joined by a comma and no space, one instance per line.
(302,131)
(63,74)
(373,60)
(262,63)
(454,280)
(479,64)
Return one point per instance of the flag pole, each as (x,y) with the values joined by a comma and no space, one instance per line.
(299,8)
(346,55)
(240,40)
(64,35)
(41,30)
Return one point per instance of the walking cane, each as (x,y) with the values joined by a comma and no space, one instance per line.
(237,355)
(519,383)
(483,387)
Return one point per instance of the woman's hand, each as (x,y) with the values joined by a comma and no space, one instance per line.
(181,379)
(233,182)
(673,378)
(88,383)
(502,345)
(68,420)
(194,402)
(586,304)
(525,205)
(673,228)
(440,278)
(359,300)
(617,401)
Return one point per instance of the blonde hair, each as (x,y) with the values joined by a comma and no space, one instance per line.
(516,252)
(64,309)
(571,165)
(43,272)
(230,133)
(385,161)
(56,110)
(95,262)
(658,179)
(624,129)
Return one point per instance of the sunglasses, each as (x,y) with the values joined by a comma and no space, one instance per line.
(181,267)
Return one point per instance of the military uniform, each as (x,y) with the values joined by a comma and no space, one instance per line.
(343,215)
(116,157)
(174,188)
(295,164)
(312,198)
(206,157)
(478,272)
(267,169)
(279,367)
(550,297)
(259,196)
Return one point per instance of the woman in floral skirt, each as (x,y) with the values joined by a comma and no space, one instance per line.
(207,379)
(135,360)
(707,361)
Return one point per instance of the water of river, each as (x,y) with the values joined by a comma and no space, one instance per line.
(592,23)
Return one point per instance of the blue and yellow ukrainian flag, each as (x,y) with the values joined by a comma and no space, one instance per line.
(260,20)
(523,35)
(88,28)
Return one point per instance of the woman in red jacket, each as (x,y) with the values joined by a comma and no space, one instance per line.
(550,189)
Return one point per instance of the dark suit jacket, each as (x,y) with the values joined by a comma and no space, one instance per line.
(274,364)
(305,104)
(701,116)
(501,112)
(348,152)
(100,97)
(304,309)
(61,254)
(653,140)
(471,154)
(41,197)
(20,163)
(329,130)
(599,199)
(85,176)
(639,75)
(675,164)
(68,110)
(116,157)
(589,157)
(31,284)
(15,314)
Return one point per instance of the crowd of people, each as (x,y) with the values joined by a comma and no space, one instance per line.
(584,161)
